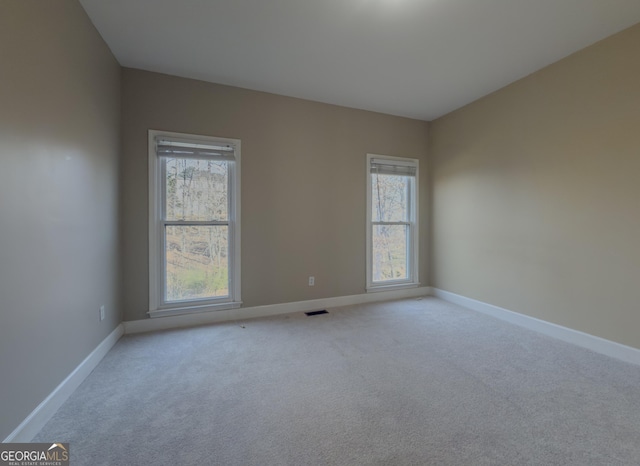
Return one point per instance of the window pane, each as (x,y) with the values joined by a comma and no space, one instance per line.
(196,189)
(389,196)
(197,262)
(390,260)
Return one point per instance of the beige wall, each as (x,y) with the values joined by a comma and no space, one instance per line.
(59,146)
(536,204)
(303,183)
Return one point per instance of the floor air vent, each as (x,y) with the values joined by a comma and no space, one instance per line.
(316,313)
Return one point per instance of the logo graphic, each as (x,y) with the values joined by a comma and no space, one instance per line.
(59,445)
(34,454)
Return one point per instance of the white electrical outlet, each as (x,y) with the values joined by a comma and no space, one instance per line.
(102,312)
(312,281)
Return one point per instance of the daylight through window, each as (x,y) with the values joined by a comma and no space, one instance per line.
(195,209)
(391,218)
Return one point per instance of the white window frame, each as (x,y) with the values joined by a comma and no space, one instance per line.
(413,252)
(157,306)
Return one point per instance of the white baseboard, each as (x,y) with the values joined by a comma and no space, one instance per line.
(43,412)
(35,421)
(585,340)
(191,320)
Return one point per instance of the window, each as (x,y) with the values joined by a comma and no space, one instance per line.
(194,223)
(392,227)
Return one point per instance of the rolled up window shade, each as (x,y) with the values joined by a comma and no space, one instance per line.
(166,147)
(392,167)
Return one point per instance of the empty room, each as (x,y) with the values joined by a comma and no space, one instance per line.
(284,232)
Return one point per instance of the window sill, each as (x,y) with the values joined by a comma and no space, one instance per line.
(176,311)
(397,286)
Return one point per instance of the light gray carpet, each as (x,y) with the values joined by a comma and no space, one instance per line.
(413,382)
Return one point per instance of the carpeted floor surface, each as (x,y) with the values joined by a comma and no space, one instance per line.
(412,382)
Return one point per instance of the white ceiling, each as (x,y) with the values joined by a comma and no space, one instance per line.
(415,58)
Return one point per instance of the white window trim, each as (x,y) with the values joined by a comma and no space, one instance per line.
(156,254)
(413,280)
